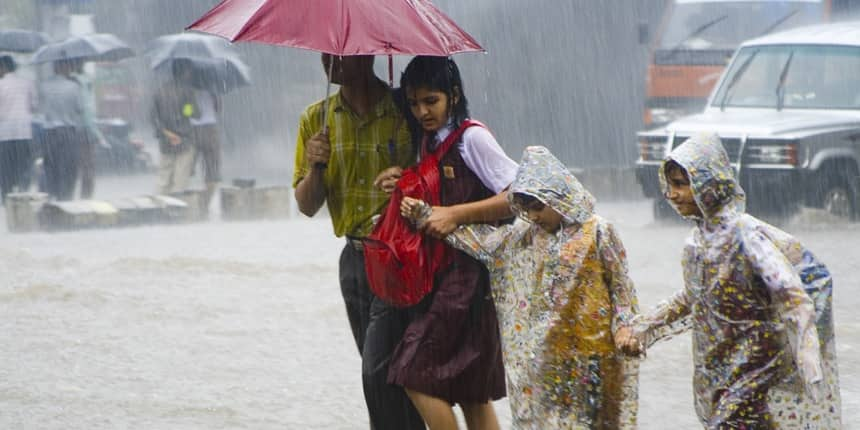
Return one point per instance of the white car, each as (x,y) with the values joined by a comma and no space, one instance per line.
(787,109)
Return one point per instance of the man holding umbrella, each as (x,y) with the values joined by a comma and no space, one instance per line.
(349,140)
(337,164)
(68,119)
(92,134)
(17,103)
(62,105)
(173,107)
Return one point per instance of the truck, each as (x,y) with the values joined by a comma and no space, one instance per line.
(695,40)
(787,110)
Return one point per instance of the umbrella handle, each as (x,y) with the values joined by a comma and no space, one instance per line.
(324,125)
(325,132)
(391,71)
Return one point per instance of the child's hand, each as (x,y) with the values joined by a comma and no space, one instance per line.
(627,341)
(411,208)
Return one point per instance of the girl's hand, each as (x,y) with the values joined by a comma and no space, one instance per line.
(627,341)
(387,179)
(441,222)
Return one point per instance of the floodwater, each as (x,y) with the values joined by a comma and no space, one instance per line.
(240,325)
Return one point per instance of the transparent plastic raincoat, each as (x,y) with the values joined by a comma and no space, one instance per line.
(559,299)
(759,307)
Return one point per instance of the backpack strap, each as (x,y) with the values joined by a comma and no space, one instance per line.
(454,137)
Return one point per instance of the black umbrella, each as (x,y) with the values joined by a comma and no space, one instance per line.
(215,74)
(214,65)
(91,47)
(188,45)
(21,40)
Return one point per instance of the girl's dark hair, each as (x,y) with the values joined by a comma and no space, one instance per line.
(672,165)
(438,74)
(523,199)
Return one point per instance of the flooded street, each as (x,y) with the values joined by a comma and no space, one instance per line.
(241,325)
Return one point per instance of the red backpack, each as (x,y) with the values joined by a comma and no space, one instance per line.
(399,260)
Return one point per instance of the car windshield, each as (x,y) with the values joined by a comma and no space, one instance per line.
(723,25)
(800,77)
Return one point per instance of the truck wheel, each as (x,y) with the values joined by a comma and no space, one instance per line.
(838,196)
(838,199)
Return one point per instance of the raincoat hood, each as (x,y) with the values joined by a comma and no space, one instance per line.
(545,178)
(712,177)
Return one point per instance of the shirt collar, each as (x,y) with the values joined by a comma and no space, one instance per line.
(444,132)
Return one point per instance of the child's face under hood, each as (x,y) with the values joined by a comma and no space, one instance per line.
(711,176)
(545,178)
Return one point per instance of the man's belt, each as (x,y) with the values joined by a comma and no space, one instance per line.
(356,243)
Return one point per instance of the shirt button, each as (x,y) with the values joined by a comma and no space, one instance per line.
(360,207)
(361,181)
(361,154)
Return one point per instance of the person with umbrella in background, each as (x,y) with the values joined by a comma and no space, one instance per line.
(70,130)
(17,104)
(215,70)
(173,106)
(62,106)
(205,137)
(92,133)
(337,163)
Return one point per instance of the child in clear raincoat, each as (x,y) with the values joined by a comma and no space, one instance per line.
(758,303)
(560,287)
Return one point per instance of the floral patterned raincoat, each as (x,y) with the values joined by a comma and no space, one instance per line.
(759,306)
(559,299)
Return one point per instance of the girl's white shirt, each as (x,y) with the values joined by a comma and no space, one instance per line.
(483,155)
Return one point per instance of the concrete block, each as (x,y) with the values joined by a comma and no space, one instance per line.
(246,203)
(137,211)
(272,202)
(78,214)
(22,211)
(172,209)
(196,200)
(237,203)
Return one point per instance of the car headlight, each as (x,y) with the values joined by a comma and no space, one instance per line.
(652,149)
(660,116)
(785,153)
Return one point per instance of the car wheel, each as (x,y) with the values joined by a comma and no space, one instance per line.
(837,201)
(838,198)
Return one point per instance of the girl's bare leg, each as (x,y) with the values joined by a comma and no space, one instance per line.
(480,416)
(437,413)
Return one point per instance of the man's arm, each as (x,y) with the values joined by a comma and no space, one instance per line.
(310,191)
(312,155)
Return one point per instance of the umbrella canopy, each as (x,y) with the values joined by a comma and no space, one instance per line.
(215,66)
(21,40)
(91,47)
(340,27)
(188,45)
(221,75)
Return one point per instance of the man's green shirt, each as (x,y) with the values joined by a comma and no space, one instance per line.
(360,149)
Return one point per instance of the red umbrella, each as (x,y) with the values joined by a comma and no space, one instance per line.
(341,27)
